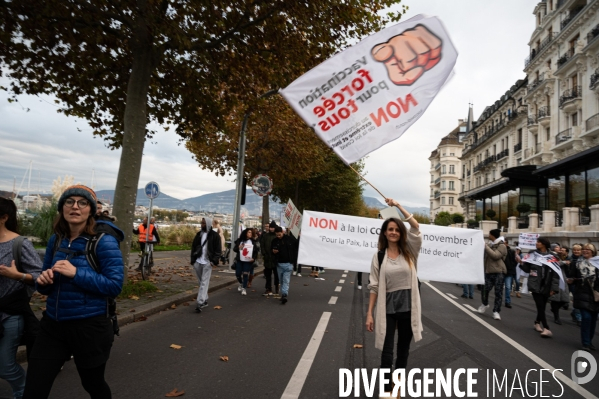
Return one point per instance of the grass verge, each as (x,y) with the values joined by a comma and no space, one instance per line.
(137,288)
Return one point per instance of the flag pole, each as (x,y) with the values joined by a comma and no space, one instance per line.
(363,178)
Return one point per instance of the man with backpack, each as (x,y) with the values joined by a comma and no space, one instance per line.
(495,253)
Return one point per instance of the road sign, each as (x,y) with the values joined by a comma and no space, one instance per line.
(152,190)
(262,185)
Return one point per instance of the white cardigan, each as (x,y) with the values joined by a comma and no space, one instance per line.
(378,284)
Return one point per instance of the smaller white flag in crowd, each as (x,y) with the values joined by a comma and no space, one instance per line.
(549,260)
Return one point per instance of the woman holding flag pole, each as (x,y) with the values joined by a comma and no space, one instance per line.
(394,289)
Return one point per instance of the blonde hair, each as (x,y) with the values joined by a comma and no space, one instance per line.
(591,247)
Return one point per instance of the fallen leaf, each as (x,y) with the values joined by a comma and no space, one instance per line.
(218,307)
(141,318)
(358,346)
(176,346)
(224,358)
(216,276)
(305,285)
(159,291)
(228,288)
(174,393)
(135,298)
(173,306)
(132,310)
(185,303)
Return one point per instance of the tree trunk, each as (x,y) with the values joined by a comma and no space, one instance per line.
(134,136)
(265,210)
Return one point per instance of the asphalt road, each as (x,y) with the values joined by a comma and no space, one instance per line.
(297,349)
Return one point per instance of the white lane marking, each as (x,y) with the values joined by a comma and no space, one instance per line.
(338,289)
(574,386)
(341,281)
(472,308)
(333,300)
(451,296)
(298,379)
(344,275)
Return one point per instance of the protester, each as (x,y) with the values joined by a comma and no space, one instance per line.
(468,291)
(205,252)
(153,236)
(495,269)
(510,276)
(586,283)
(283,248)
(247,252)
(216,226)
(573,259)
(394,290)
(77,306)
(519,273)
(562,297)
(270,265)
(17,321)
(297,269)
(542,283)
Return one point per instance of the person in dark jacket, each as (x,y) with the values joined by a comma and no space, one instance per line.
(18,324)
(586,281)
(283,249)
(205,252)
(572,260)
(270,264)
(77,306)
(510,276)
(247,253)
(542,283)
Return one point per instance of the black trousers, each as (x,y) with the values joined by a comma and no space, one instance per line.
(359,278)
(88,340)
(400,322)
(541,303)
(268,274)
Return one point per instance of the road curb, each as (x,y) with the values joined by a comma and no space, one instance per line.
(156,307)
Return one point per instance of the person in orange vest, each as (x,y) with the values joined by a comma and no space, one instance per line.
(154,238)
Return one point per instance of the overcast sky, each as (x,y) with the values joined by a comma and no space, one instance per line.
(491,38)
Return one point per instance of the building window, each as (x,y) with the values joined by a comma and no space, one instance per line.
(548,133)
(442,184)
(443,169)
(452,154)
(451,186)
(442,200)
(574,118)
(450,200)
(452,169)
(519,136)
(519,161)
(463,188)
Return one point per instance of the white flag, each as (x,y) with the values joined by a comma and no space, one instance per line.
(371,93)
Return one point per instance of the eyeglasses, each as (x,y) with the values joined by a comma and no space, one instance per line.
(82,203)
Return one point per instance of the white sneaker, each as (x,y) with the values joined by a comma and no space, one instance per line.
(243,291)
(240,287)
(359,287)
(295,273)
(482,308)
(299,275)
(496,316)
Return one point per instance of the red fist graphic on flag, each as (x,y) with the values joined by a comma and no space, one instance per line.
(408,55)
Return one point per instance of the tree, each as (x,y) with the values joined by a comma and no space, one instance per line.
(523,207)
(122,64)
(334,189)
(443,219)
(422,218)
(490,214)
(457,218)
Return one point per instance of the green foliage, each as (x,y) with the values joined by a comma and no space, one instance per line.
(457,218)
(472,222)
(41,224)
(137,288)
(334,189)
(422,218)
(523,207)
(443,219)
(490,214)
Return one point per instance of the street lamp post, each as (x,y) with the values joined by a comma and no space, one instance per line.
(239,186)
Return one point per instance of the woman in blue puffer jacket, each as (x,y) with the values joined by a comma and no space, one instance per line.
(76,320)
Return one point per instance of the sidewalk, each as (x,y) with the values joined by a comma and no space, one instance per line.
(177,284)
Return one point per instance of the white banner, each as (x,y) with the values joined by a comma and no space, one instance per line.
(292,217)
(371,93)
(348,243)
(528,240)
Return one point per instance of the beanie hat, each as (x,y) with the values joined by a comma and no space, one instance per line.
(495,233)
(272,224)
(81,191)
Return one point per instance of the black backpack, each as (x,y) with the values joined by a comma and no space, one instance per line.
(381,256)
(92,258)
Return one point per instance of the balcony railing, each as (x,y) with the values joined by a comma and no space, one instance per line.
(570,94)
(517,147)
(543,112)
(560,3)
(536,51)
(468,173)
(593,34)
(565,57)
(536,83)
(569,18)
(585,216)
(437,166)
(437,194)
(437,180)
(592,122)
(594,79)
(563,136)
(502,154)
(532,120)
